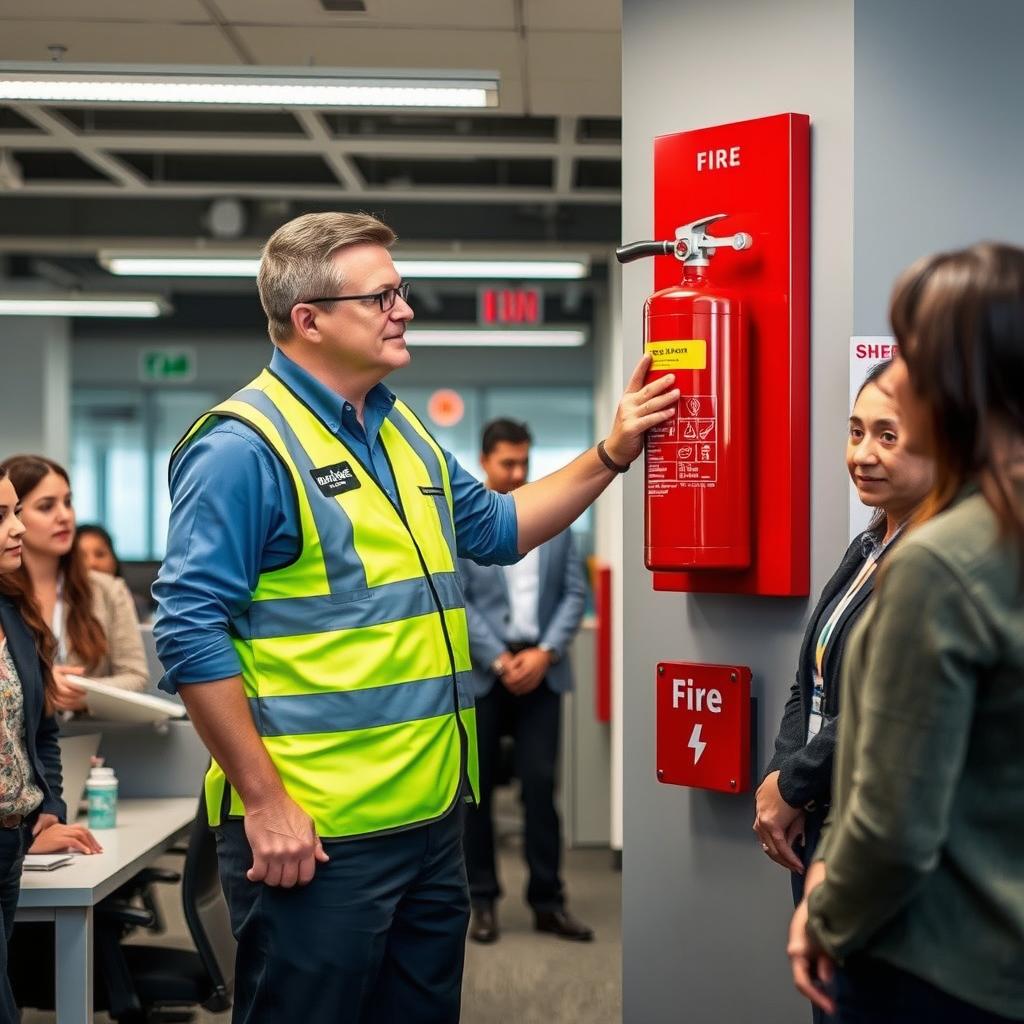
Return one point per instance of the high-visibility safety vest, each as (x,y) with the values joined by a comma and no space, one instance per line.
(355,656)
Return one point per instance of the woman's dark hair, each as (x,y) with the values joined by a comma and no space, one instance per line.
(95,530)
(871,377)
(46,645)
(85,634)
(959,320)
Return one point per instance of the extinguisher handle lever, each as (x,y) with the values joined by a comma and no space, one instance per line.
(636,250)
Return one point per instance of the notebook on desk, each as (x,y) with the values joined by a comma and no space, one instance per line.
(45,861)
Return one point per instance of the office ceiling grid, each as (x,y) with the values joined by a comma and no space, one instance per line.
(551,145)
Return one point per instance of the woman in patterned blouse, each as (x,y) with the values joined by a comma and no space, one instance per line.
(30,778)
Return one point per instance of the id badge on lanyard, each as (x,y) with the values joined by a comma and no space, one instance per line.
(816,719)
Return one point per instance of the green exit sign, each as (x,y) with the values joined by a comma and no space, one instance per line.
(167,365)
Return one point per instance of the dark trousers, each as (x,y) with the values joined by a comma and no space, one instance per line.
(13,843)
(533,721)
(812,834)
(377,937)
(872,992)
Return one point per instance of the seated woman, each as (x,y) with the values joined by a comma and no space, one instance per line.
(918,892)
(91,614)
(30,776)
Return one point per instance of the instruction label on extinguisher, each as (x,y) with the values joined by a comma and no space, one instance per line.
(684,451)
(678,355)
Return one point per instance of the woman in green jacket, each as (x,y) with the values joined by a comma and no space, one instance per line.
(918,892)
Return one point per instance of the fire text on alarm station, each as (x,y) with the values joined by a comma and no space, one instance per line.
(703,726)
(716,159)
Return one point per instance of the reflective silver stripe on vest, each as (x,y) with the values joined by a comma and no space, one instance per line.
(299,616)
(347,710)
(429,459)
(344,570)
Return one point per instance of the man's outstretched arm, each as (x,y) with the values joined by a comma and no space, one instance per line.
(549,505)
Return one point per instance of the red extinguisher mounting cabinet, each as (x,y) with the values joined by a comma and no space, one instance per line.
(728,510)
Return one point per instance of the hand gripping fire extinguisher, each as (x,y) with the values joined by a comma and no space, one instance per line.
(697,466)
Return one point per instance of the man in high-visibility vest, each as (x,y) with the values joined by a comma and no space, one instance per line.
(311,617)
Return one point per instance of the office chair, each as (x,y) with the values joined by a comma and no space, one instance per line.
(145,983)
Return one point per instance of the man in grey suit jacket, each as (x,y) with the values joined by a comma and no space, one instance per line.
(522,620)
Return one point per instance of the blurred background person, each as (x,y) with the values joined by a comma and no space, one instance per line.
(90,613)
(919,892)
(95,547)
(522,619)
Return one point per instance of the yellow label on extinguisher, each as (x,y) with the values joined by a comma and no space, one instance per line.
(678,355)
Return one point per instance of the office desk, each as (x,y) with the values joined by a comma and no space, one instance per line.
(67,895)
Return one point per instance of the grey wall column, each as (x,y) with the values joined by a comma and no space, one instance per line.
(705,913)
(938,155)
(35,386)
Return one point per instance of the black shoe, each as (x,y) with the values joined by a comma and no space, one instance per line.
(562,924)
(484,926)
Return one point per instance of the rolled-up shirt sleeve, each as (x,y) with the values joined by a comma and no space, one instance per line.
(226,497)
(486,527)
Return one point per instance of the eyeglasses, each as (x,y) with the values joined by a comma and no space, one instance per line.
(386,298)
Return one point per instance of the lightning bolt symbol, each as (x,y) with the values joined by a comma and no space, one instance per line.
(696,744)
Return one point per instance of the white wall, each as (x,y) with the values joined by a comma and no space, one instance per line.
(35,386)
(705,912)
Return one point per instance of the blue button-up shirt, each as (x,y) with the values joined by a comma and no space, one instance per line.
(232,519)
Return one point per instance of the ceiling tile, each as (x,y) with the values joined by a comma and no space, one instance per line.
(104,10)
(382,48)
(117,43)
(408,13)
(594,15)
(583,79)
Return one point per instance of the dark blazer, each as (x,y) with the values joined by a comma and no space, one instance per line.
(805,769)
(560,600)
(40,728)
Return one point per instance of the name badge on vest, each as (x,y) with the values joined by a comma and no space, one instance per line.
(334,480)
(437,492)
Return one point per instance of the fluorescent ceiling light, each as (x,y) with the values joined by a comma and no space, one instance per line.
(519,269)
(144,306)
(212,266)
(179,266)
(457,338)
(321,88)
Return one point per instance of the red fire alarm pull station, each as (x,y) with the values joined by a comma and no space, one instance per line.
(703,714)
(727,480)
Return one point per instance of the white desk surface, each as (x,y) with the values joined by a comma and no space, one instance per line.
(142,827)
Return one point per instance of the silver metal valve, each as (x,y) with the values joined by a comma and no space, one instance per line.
(695,247)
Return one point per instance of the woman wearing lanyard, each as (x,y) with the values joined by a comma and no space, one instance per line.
(30,778)
(918,888)
(792,801)
(90,613)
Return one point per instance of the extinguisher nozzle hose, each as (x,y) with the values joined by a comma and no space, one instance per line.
(636,250)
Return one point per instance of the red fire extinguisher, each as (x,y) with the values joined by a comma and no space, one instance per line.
(697,466)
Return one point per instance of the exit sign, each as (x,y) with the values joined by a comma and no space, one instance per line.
(167,365)
(507,306)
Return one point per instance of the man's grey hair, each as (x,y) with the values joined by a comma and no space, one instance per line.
(296,262)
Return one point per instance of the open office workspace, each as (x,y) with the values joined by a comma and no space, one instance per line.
(511,511)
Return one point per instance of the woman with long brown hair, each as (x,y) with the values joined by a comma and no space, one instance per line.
(30,776)
(90,614)
(919,890)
